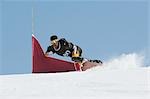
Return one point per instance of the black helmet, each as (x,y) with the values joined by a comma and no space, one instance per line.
(53,37)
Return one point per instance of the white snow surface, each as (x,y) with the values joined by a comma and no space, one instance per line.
(123,77)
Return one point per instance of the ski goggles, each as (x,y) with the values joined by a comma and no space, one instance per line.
(54,41)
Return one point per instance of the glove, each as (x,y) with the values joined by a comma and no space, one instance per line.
(77,59)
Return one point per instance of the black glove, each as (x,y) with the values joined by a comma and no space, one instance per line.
(77,59)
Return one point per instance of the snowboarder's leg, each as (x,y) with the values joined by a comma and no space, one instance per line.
(78,66)
(76,57)
(82,60)
(82,64)
(78,63)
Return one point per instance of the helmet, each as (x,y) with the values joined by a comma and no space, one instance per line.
(53,37)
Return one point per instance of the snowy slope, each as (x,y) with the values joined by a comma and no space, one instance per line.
(97,83)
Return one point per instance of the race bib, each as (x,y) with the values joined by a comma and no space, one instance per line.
(66,53)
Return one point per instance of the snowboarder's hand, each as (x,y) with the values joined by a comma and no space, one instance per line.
(46,54)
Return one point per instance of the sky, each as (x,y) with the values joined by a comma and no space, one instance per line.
(103,29)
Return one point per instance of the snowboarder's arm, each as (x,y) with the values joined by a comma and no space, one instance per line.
(49,51)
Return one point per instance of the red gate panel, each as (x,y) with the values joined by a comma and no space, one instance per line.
(43,64)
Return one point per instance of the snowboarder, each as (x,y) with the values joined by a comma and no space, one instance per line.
(65,48)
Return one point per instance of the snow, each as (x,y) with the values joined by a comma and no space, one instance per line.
(105,82)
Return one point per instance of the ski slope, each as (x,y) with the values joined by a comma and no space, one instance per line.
(117,79)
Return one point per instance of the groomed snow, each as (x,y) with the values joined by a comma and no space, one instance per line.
(103,82)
